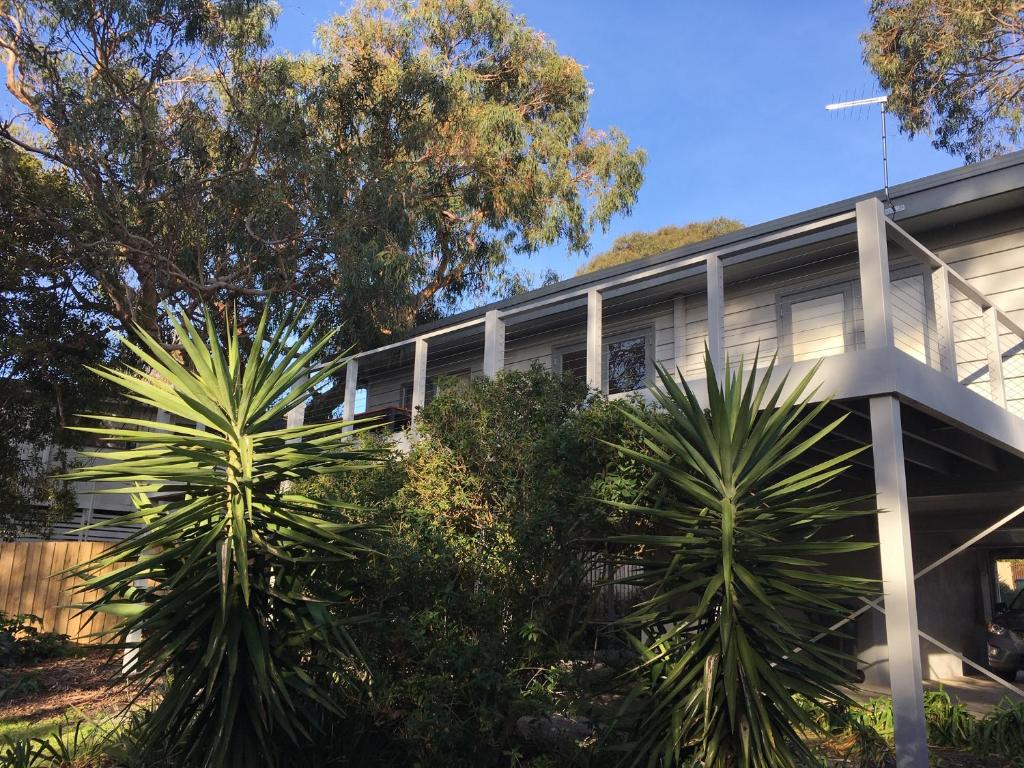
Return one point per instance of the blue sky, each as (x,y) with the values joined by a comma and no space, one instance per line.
(727,99)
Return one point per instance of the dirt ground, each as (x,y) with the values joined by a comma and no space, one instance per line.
(81,681)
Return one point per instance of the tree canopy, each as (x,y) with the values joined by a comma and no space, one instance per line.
(952,68)
(637,245)
(46,340)
(382,179)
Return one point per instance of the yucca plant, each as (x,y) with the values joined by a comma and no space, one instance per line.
(735,595)
(231,615)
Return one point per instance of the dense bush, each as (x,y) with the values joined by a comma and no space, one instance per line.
(487,529)
(21,640)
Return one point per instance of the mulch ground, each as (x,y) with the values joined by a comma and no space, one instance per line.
(81,681)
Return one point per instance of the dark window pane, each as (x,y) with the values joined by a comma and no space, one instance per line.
(627,365)
(575,364)
(428,393)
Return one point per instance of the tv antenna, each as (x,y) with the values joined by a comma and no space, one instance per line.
(882,101)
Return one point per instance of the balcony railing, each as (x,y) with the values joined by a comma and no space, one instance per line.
(844,283)
(953,328)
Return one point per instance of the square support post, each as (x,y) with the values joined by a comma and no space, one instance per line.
(944,321)
(873,250)
(351,385)
(296,417)
(679,336)
(130,655)
(995,356)
(595,310)
(419,376)
(894,549)
(494,343)
(716,313)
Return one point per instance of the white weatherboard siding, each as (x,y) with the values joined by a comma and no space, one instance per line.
(988,252)
(759,314)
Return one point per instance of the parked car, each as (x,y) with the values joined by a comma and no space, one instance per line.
(1006,638)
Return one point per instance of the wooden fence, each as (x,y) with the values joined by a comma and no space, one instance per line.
(30,582)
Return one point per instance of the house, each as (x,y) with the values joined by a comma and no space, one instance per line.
(914,306)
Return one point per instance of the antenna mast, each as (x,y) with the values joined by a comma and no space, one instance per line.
(881,100)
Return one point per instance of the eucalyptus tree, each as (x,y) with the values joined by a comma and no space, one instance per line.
(953,70)
(638,245)
(382,178)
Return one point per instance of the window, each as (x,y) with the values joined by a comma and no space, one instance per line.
(434,385)
(571,360)
(627,364)
(626,359)
(450,379)
(816,324)
(339,411)
(405,400)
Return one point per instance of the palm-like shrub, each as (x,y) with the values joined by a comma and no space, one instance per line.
(735,592)
(231,614)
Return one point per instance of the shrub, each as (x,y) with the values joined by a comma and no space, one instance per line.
(486,529)
(735,594)
(21,642)
(1001,732)
(232,616)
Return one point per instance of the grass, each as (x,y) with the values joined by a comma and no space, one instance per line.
(862,737)
(15,729)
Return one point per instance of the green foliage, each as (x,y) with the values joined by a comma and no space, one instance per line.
(952,69)
(232,615)
(736,595)
(862,734)
(637,245)
(487,528)
(46,339)
(21,641)
(381,178)
(77,741)
(1001,732)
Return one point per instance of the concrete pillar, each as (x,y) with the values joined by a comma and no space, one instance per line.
(296,417)
(494,343)
(351,385)
(716,313)
(130,656)
(595,347)
(896,555)
(873,250)
(419,376)
(679,335)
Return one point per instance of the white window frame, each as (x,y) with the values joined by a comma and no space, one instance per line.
(646,332)
(784,302)
(558,350)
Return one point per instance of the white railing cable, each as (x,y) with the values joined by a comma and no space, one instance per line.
(916,249)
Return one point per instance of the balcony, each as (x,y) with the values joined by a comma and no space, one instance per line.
(853,292)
